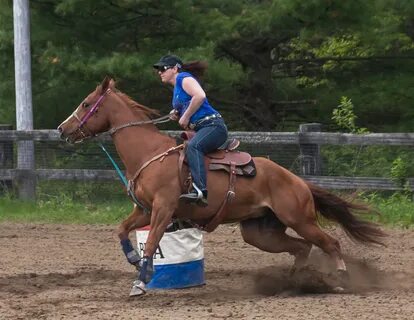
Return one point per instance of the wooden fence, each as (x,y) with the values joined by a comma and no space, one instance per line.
(309,138)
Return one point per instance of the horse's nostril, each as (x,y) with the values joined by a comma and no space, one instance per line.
(60,129)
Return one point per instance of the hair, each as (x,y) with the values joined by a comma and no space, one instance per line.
(196,68)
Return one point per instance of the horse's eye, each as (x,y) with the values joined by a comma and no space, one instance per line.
(85,105)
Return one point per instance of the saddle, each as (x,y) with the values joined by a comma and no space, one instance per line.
(224,158)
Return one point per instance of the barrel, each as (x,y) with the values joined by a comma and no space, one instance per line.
(178,259)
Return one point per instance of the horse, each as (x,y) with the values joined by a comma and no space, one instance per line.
(264,205)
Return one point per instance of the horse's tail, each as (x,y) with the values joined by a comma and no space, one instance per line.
(340,210)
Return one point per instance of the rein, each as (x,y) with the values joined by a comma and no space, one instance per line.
(82,121)
(162,119)
(129,184)
(125,182)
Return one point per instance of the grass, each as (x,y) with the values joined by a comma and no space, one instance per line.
(396,210)
(61,210)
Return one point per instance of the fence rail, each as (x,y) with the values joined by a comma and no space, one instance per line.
(320,138)
(337,182)
(308,138)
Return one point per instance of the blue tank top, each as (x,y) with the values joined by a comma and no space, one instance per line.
(181,100)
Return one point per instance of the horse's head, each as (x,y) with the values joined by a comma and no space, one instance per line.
(86,121)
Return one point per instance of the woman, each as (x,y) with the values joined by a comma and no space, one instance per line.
(193,111)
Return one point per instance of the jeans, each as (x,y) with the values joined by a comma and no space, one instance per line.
(210,135)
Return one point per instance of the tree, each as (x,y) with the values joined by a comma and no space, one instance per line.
(273,63)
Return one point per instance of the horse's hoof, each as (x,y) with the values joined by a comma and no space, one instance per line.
(344,279)
(138,289)
(338,290)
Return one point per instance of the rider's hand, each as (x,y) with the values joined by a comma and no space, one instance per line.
(184,122)
(174,115)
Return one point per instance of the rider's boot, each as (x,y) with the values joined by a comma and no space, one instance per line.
(196,196)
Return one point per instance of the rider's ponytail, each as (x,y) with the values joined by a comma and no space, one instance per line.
(196,68)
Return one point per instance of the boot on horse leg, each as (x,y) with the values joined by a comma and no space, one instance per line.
(145,274)
(160,218)
(136,219)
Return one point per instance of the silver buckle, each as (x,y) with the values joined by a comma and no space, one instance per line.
(213,116)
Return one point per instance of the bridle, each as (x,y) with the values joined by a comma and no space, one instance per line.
(86,133)
(82,128)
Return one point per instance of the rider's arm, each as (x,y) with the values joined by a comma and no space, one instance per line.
(193,88)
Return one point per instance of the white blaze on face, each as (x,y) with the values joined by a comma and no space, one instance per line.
(68,118)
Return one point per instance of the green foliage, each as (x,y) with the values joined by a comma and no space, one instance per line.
(260,53)
(63,210)
(345,117)
(365,160)
(396,210)
(70,202)
(400,171)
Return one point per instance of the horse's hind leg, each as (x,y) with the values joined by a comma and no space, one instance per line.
(313,233)
(296,209)
(269,234)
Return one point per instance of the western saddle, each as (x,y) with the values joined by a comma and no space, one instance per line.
(224,158)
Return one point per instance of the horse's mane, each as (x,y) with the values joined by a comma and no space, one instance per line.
(132,103)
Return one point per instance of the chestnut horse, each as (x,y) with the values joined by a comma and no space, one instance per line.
(265,205)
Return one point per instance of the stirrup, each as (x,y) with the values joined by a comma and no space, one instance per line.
(195,196)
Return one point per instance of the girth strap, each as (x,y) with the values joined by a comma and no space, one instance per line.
(219,216)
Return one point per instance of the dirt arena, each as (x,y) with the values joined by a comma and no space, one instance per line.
(79,272)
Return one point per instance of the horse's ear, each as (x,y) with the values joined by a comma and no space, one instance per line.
(105,84)
(111,84)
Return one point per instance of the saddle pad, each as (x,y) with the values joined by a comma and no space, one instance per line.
(238,157)
(248,170)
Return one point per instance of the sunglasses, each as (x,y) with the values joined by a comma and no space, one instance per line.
(164,68)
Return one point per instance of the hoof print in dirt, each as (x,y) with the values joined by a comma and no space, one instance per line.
(308,281)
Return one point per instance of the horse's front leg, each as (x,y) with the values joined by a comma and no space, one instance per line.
(161,215)
(136,219)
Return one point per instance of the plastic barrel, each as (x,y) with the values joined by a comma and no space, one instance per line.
(178,260)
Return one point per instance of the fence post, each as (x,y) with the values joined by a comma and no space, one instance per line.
(6,159)
(310,154)
(25,176)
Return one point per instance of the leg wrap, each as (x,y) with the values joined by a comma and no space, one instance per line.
(146,269)
(131,254)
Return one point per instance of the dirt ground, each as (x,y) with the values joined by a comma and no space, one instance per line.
(79,272)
